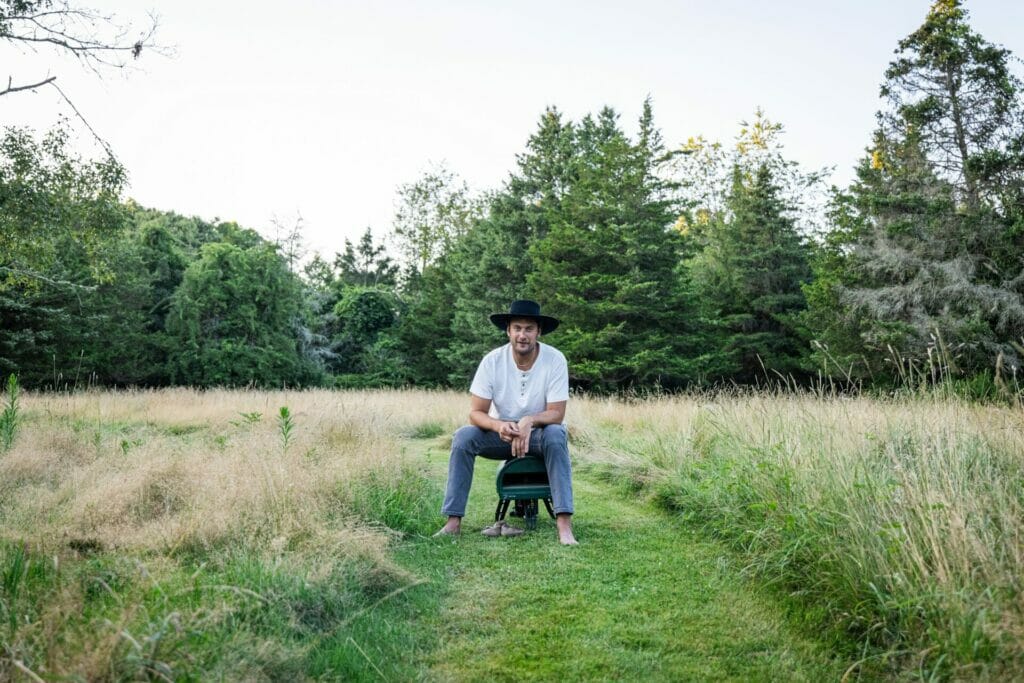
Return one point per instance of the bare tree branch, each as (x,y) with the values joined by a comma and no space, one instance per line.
(103,143)
(32,86)
(96,40)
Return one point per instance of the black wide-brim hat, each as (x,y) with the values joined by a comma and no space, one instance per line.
(524,308)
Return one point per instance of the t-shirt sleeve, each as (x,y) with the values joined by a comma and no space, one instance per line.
(483,380)
(558,382)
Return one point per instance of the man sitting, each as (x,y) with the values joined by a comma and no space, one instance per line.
(517,406)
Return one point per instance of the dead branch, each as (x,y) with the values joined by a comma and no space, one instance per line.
(16,88)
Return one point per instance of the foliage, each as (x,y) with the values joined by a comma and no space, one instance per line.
(9,417)
(51,198)
(363,316)
(234,320)
(608,261)
(366,264)
(487,271)
(424,332)
(924,268)
(706,169)
(431,214)
(955,92)
(747,276)
(669,266)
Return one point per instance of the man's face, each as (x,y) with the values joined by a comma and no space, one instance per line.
(523,334)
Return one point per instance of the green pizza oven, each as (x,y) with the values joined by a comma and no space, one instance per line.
(525,481)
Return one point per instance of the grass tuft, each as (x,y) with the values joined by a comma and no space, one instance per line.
(427,430)
(898,522)
(404,500)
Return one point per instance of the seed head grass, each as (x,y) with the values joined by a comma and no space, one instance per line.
(153,519)
(899,521)
(150,534)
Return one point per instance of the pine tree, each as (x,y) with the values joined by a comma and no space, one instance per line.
(747,259)
(490,266)
(926,262)
(748,279)
(608,264)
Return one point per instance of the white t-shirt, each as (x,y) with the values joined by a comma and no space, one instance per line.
(514,392)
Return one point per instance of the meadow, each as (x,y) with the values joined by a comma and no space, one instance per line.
(249,535)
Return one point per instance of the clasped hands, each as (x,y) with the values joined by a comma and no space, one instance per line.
(518,435)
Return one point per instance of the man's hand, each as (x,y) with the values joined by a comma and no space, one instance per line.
(521,442)
(508,431)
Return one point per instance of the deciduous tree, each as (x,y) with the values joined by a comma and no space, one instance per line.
(236,320)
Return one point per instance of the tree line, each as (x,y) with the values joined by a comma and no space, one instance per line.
(671,266)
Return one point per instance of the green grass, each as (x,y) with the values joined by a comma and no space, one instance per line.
(400,498)
(426,430)
(742,538)
(642,598)
(225,616)
(894,525)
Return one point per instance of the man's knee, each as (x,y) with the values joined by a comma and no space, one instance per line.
(465,437)
(556,435)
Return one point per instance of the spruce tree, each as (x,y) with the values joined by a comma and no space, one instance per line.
(490,266)
(608,264)
(748,279)
(926,264)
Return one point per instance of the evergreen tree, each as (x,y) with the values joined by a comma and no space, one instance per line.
(748,278)
(954,92)
(493,260)
(607,261)
(746,258)
(926,262)
(423,333)
(487,271)
(366,264)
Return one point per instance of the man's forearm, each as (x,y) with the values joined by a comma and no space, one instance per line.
(479,418)
(547,417)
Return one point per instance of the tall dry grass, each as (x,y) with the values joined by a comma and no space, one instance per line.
(198,486)
(900,520)
(896,523)
(159,470)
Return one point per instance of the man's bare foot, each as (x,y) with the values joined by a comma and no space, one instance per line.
(453,527)
(564,524)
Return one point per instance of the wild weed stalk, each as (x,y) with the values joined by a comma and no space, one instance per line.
(9,417)
(285,427)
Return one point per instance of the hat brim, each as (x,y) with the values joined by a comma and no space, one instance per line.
(546,322)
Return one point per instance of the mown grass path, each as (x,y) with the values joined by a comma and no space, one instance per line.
(642,598)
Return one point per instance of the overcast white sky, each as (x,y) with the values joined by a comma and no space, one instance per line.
(324,108)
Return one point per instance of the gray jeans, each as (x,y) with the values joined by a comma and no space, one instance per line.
(550,441)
